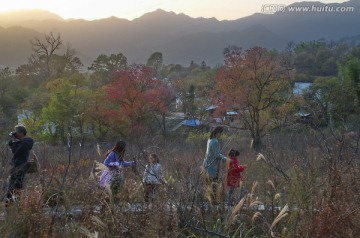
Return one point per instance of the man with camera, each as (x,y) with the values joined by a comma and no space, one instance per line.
(20,147)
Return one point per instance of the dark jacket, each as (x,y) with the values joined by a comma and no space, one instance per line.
(21,151)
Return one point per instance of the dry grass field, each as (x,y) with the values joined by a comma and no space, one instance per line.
(303,184)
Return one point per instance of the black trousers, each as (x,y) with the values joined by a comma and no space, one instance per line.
(16,183)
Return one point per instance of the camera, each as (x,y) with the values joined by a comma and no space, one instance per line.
(12,134)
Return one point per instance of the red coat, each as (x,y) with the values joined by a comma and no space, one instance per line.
(233,177)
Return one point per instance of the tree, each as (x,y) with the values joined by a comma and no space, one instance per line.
(318,58)
(107,64)
(46,64)
(97,114)
(135,96)
(5,84)
(67,107)
(189,106)
(155,62)
(331,99)
(32,109)
(352,72)
(104,66)
(12,94)
(335,99)
(252,82)
(70,63)
(203,65)
(44,52)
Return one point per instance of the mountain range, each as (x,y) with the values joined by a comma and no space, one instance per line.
(179,37)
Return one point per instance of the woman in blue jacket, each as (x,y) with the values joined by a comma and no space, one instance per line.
(114,175)
(213,157)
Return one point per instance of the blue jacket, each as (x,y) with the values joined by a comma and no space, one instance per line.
(113,161)
(212,158)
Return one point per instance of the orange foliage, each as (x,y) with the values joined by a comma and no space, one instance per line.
(251,82)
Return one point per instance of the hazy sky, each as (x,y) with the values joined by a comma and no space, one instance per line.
(130,9)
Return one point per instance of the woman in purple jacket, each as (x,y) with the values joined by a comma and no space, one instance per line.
(113,177)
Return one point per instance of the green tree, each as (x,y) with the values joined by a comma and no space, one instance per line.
(67,107)
(12,95)
(104,65)
(318,58)
(107,64)
(352,72)
(33,106)
(155,62)
(331,99)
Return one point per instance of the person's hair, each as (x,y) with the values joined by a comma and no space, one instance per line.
(155,157)
(215,131)
(233,153)
(21,129)
(118,148)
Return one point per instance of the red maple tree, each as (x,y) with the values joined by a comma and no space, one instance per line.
(136,98)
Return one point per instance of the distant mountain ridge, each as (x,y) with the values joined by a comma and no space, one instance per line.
(179,37)
(14,17)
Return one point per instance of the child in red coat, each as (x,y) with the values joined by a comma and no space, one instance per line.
(233,177)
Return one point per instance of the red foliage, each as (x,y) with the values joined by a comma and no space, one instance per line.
(135,97)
